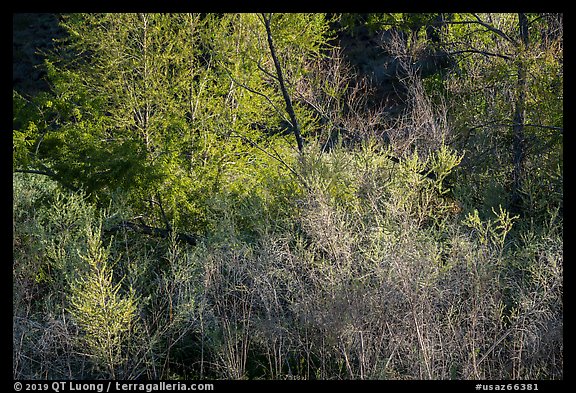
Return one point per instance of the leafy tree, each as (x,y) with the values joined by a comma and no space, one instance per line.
(501,105)
(160,106)
(270,54)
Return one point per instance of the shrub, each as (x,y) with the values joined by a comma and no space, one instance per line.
(106,318)
(357,268)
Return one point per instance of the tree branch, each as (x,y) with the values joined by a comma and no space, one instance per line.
(47,172)
(282,115)
(480,22)
(164,217)
(276,157)
(561,129)
(287,100)
(266,72)
(153,231)
(500,123)
(36,172)
(481,52)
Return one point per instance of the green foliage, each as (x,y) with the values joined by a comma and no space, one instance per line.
(442,163)
(50,225)
(491,232)
(105,316)
(259,299)
(335,262)
(490,55)
(23,134)
(153,104)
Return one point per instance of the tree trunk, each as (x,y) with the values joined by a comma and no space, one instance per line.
(518,137)
(280,77)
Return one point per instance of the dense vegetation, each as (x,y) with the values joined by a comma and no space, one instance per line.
(291,196)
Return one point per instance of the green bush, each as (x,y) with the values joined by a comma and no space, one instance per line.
(49,233)
(105,316)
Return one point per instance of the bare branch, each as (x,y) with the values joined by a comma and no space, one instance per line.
(266,72)
(164,217)
(49,173)
(561,129)
(499,123)
(276,156)
(153,231)
(481,52)
(287,99)
(487,26)
(36,172)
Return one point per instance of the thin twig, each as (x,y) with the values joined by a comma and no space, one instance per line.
(262,95)
(276,157)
